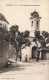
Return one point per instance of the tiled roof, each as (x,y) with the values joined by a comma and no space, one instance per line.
(3,18)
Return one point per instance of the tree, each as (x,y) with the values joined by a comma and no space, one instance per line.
(17,39)
(21,39)
(26,33)
(47,40)
(39,38)
(45,34)
(44,41)
(37,34)
(14,28)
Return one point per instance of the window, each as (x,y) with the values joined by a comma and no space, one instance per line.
(32,23)
(37,23)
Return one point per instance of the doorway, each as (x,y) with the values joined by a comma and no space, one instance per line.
(34,52)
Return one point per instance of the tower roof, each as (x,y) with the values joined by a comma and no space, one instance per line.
(3,18)
(34,13)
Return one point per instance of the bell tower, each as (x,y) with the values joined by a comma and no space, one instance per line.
(35,22)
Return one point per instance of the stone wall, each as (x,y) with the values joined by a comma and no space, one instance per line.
(11,51)
(4,48)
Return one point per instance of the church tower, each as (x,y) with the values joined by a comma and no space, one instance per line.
(35,23)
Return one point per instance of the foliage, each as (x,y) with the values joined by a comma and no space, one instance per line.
(14,29)
(45,34)
(47,40)
(37,34)
(39,38)
(43,39)
(16,37)
(26,33)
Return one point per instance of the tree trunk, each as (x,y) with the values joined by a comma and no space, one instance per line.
(20,54)
(38,53)
(17,54)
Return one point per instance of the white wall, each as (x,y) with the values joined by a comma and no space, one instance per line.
(27,51)
(24,53)
(47,56)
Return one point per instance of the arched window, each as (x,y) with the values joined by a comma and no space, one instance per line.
(32,23)
(37,23)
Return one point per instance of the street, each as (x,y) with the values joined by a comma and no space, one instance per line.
(26,71)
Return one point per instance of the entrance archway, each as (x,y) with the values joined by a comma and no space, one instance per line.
(34,52)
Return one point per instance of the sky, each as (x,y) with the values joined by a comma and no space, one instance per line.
(17,12)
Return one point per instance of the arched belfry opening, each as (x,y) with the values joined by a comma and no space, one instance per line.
(34,52)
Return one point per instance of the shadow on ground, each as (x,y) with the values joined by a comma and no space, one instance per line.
(11,67)
(20,66)
(14,66)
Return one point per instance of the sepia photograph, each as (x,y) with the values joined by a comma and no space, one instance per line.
(24,40)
